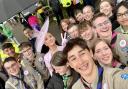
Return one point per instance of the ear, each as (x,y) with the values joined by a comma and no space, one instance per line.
(67,64)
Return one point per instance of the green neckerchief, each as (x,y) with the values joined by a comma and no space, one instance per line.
(66,78)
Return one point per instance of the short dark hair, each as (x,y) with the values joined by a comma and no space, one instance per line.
(58,59)
(24,44)
(74,42)
(27,28)
(123,3)
(97,15)
(8,59)
(7,45)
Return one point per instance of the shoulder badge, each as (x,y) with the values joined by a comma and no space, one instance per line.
(122,43)
(26,72)
(124,76)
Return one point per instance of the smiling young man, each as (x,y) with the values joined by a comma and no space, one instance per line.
(103,26)
(92,76)
(20,77)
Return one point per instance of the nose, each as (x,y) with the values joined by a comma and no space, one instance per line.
(80,61)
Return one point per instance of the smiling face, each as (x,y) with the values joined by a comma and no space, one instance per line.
(12,68)
(79,17)
(80,60)
(103,53)
(73,31)
(9,51)
(88,13)
(122,16)
(87,33)
(49,40)
(106,8)
(64,26)
(103,26)
(28,53)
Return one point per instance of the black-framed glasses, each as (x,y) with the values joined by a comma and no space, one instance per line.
(119,15)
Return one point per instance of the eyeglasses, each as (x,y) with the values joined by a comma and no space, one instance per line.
(103,23)
(24,51)
(120,15)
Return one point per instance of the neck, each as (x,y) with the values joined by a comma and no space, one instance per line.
(53,48)
(125,28)
(91,77)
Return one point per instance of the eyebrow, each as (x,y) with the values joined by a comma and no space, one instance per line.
(78,52)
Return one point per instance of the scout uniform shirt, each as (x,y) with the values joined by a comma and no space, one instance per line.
(38,64)
(121,45)
(112,78)
(26,80)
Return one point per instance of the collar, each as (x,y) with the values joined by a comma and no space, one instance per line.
(92,85)
(122,30)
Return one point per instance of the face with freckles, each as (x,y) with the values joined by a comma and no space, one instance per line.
(80,60)
(103,53)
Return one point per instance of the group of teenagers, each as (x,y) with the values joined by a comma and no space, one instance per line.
(93,53)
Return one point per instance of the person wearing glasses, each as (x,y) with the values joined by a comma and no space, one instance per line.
(20,77)
(121,44)
(92,75)
(103,27)
(33,60)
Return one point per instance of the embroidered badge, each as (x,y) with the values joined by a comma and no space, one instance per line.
(26,72)
(122,43)
(124,76)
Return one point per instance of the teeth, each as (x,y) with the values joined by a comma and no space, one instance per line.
(84,67)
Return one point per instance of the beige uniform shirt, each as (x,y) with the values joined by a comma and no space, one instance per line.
(113,78)
(39,65)
(33,79)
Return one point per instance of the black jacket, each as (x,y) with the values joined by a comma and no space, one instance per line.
(56,81)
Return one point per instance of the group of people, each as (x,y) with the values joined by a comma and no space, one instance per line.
(93,53)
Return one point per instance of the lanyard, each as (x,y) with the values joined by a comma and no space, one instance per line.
(100,78)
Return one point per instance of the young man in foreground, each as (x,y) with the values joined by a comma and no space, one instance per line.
(92,76)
